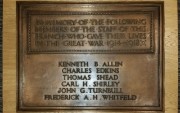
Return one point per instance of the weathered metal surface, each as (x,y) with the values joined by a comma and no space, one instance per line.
(90,56)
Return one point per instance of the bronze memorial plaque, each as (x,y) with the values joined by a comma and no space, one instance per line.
(90,56)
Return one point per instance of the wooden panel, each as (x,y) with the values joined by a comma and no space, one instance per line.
(1,55)
(170,56)
(178,56)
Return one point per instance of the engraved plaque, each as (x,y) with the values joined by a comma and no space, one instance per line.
(90,56)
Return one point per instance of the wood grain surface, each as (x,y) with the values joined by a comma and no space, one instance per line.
(179,56)
(170,59)
(1,55)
